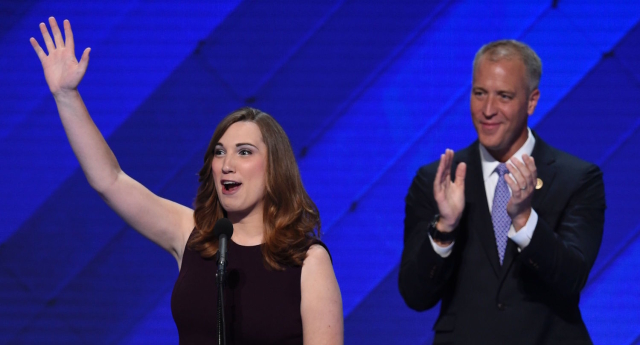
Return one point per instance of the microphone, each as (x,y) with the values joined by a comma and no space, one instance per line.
(223,229)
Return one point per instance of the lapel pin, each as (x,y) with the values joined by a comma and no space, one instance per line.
(539,183)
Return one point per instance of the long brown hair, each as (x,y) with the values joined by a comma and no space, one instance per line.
(291,219)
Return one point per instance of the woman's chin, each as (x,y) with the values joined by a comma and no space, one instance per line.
(238,213)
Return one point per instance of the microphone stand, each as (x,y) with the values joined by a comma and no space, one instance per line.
(220,280)
(222,340)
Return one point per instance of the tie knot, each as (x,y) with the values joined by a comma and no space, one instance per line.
(502,169)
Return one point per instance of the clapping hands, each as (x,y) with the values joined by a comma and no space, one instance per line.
(522,183)
(449,194)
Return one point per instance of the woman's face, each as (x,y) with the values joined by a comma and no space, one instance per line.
(239,170)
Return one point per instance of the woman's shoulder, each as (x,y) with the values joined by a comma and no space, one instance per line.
(317,253)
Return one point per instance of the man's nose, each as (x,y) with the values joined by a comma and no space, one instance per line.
(490,108)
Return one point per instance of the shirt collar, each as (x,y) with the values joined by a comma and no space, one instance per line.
(489,164)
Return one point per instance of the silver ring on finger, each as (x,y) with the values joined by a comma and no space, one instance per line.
(525,187)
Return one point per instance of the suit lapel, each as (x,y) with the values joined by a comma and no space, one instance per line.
(545,159)
(479,218)
(510,253)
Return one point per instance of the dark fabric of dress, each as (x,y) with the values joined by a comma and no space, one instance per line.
(262,306)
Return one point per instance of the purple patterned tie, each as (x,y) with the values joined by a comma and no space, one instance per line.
(499,216)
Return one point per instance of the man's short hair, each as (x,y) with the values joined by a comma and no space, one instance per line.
(507,49)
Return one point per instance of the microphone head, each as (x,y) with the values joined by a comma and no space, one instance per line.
(223,227)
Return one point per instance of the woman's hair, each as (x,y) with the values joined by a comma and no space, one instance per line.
(291,219)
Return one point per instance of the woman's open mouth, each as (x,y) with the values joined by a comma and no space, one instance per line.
(230,186)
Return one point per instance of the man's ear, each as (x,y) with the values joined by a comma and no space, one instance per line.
(532,102)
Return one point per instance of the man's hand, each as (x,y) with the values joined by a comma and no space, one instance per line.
(448,194)
(525,175)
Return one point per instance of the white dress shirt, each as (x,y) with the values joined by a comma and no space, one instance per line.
(489,164)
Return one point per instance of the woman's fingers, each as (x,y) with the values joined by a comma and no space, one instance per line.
(47,38)
(38,49)
(84,60)
(68,35)
(58,40)
(57,35)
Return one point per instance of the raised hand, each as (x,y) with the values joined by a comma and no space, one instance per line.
(522,186)
(449,194)
(62,70)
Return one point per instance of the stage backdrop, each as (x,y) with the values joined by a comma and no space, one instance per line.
(367,91)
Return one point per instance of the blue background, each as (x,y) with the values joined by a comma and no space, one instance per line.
(368,91)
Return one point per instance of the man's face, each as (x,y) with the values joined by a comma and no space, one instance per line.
(500,105)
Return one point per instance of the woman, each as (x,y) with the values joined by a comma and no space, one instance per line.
(281,286)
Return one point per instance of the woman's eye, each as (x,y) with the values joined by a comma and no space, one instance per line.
(218,152)
(244,152)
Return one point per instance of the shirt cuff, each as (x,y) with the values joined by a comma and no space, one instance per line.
(442,251)
(523,237)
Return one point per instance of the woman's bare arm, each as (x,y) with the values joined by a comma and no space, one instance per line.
(164,222)
(321,304)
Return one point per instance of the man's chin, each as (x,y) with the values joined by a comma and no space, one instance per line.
(491,143)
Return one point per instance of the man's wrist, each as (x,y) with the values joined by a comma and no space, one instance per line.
(520,220)
(443,227)
(440,232)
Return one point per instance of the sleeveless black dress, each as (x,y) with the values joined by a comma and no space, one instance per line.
(262,306)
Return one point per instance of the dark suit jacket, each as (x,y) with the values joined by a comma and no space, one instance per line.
(533,297)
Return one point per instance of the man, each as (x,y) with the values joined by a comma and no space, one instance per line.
(505,232)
